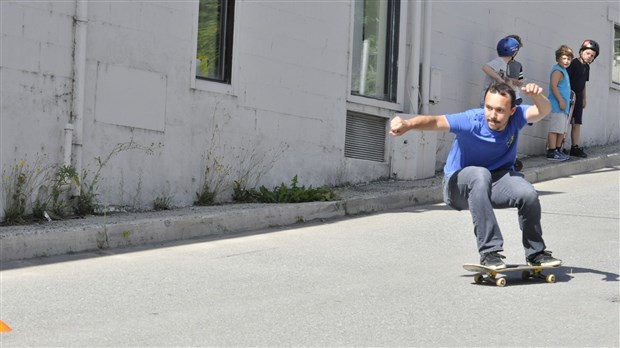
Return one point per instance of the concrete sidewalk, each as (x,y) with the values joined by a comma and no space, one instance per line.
(132,229)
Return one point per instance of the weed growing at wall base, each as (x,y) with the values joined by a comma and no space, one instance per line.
(284,194)
(59,198)
(162,203)
(18,186)
(15,195)
(85,203)
(31,193)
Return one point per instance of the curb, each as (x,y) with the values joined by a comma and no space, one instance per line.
(36,241)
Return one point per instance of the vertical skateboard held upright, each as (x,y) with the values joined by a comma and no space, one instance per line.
(569,119)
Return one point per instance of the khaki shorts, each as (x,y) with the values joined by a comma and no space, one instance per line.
(557,122)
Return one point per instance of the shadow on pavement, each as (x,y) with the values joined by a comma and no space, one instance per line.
(607,276)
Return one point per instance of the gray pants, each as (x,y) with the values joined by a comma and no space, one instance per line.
(480,191)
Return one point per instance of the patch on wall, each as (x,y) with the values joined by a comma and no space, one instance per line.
(130,97)
(365,137)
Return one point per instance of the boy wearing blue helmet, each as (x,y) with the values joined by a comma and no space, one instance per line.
(515,70)
(504,68)
(496,70)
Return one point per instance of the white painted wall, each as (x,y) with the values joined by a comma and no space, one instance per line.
(284,112)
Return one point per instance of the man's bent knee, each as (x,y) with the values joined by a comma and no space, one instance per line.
(475,175)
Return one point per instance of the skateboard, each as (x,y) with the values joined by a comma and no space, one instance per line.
(571,107)
(498,277)
(514,70)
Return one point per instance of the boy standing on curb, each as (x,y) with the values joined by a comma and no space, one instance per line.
(579,73)
(559,96)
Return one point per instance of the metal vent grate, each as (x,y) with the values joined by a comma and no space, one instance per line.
(365,137)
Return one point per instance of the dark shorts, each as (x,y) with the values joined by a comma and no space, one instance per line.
(578,110)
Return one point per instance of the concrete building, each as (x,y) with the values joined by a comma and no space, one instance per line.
(161,97)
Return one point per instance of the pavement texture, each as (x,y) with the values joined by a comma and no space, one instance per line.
(136,229)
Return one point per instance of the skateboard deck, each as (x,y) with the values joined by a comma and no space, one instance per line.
(569,119)
(514,70)
(571,107)
(498,277)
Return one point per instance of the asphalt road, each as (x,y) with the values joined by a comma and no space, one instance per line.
(389,279)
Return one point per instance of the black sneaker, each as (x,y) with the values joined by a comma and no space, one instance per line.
(577,151)
(493,260)
(543,259)
(518,165)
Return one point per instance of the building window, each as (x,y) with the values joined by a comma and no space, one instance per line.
(375,49)
(616,65)
(215,34)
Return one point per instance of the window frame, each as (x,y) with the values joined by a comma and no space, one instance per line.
(615,29)
(226,85)
(396,105)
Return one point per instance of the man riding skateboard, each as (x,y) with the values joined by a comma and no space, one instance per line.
(479,174)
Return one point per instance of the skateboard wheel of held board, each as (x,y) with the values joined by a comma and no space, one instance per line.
(501,282)
(478,278)
(550,278)
(525,275)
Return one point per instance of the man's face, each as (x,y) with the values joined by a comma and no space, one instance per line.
(497,110)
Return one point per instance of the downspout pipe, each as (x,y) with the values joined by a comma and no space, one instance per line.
(414,60)
(426,59)
(80,21)
(405,154)
(68,144)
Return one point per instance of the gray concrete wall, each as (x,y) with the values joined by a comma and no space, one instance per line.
(283,113)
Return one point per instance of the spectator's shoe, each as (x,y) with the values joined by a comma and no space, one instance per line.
(543,259)
(577,151)
(566,156)
(493,260)
(555,155)
(518,165)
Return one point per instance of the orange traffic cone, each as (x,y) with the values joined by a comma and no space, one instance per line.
(4,327)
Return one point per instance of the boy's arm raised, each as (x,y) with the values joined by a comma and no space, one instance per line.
(492,73)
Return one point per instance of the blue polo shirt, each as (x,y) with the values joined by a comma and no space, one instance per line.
(477,145)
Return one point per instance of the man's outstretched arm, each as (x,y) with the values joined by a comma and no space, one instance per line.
(541,107)
(399,126)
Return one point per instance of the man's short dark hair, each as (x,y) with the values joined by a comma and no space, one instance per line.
(504,90)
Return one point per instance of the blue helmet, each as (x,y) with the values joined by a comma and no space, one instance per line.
(507,47)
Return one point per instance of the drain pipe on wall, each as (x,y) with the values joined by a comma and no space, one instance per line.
(74,129)
(405,154)
(427,145)
(414,61)
(426,57)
